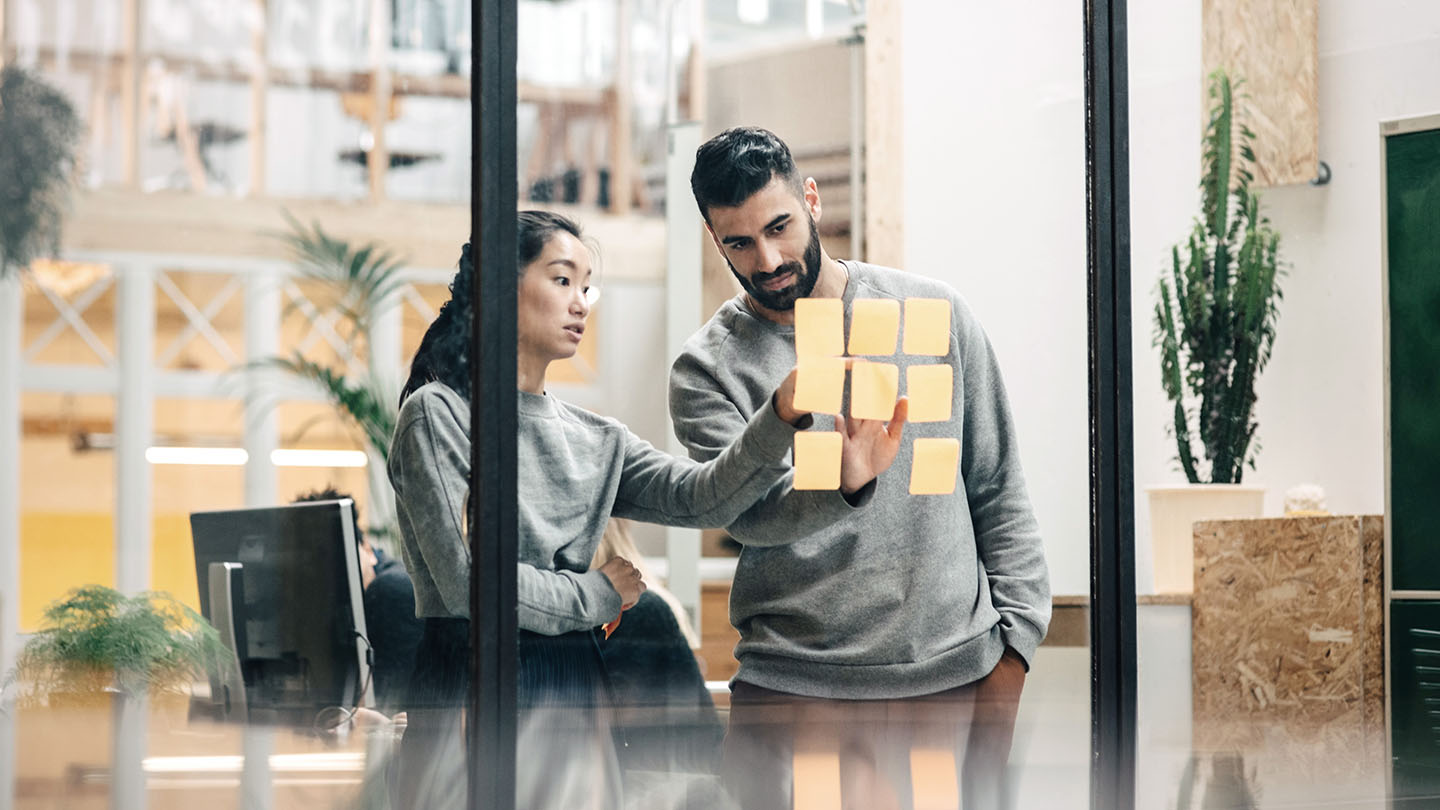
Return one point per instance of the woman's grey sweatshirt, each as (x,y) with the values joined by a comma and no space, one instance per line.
(905,594)
(575,470)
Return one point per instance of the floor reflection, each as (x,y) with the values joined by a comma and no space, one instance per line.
(669,758)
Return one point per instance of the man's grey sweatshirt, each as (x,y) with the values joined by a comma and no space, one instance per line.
(575,470)
(900,595)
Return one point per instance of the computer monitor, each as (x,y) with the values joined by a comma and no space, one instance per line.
(287,601)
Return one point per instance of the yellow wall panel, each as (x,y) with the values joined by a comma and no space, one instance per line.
(62,551)
(172,559)
(59,552)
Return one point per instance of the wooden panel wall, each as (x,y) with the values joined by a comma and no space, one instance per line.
(884,135)
(1273,45)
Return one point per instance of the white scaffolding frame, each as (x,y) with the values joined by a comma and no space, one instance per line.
(136,378)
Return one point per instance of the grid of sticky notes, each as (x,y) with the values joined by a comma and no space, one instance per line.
(875,332)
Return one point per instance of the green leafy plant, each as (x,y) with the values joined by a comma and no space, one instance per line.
(96,639)
(369,409)
(1215,318)
(356,285)
(39,131)
(362,281)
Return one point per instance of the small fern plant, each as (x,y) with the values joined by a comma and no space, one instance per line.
(1217,308)
(96,639)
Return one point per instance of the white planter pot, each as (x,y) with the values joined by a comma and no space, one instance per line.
(1174,510)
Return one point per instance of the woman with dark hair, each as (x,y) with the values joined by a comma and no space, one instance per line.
(575,469)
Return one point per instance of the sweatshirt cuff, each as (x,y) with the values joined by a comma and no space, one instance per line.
(600,594)
(772,436)
(1020,636)
(862,496)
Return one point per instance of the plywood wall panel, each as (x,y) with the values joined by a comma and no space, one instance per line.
(1287,645)
(1273,45)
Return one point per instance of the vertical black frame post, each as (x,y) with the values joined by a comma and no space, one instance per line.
(1112,473)
(490,735)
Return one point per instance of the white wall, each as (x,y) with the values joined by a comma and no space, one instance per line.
(995,205)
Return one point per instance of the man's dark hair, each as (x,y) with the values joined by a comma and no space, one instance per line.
(330,493)
(738,162)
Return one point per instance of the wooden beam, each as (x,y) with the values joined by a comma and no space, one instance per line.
(259,89)
(425,234)
(443,86)
(189,147)
(130,95)
(695,66)
(33,426)
(377,161)
(621,152)
(884,135)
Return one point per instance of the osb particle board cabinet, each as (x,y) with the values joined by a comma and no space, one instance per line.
(1288,648)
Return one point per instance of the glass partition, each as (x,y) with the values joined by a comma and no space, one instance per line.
(255,201)
(790,665)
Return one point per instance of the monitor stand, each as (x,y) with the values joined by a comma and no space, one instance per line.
(227,600)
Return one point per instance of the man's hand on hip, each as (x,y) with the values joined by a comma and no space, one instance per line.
(1005,681)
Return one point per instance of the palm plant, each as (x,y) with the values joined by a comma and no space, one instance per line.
(356,285)
(1215,318)
(39,130)
(362,281)
(364,403)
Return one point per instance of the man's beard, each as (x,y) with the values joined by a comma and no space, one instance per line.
(805,277)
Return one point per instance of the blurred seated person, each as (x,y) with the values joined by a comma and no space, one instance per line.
(662,707)
(389,602)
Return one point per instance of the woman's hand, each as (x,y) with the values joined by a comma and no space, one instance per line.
(626,579)
(784,399)
(869,446)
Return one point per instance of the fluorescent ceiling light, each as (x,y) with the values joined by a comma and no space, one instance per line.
(237,457)
(814,19)
(318,458)
(318,762)
(753,12)
(202,456)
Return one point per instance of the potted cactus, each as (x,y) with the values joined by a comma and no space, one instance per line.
(1215,326)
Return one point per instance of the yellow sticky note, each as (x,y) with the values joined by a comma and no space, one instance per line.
(817,460)
(935,463)
(819,327)
(874,387)
(933,783)
(927,326)
(931,390)
(874,326)
(820,384)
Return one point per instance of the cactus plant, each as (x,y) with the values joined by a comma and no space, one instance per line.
(1215,318)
